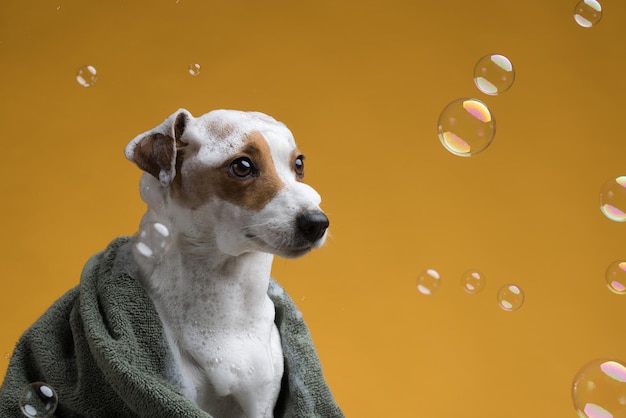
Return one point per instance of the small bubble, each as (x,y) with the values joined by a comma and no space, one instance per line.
(38,400)
(494,74)
(587,13)
(510,297)
(86,76)
(151,191)
(613,199)
(7,356)
(473,281)
(153,240)
(599,389)
(466,127)
(616,277)
(194,69)
(428,282)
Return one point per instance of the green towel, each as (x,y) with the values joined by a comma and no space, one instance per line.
(101,347)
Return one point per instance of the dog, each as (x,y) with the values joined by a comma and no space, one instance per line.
(225,193)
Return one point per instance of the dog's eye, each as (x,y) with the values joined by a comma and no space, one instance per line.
(242,167)
(299,166)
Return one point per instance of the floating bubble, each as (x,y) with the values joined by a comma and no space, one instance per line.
(466,127)
(616,277)
(587,13)
(151,191)
(194,69)
(7,356)
(613,199)
(38,400)
(473,281)
(599,390)
(428,282)
(494,74)
(153,240)
(86,76)
(510,297)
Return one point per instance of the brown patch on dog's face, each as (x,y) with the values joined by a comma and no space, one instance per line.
(195,186)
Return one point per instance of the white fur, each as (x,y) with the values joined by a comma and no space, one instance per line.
(210,288)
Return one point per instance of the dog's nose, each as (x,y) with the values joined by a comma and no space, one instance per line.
(312,224)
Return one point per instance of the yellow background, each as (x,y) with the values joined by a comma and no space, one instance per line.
(361,84)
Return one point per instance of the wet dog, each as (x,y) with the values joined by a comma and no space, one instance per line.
(225,192)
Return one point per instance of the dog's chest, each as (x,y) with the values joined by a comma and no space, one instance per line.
(219,364)
(225,344)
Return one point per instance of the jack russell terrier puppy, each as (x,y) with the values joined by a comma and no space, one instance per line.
(227,190)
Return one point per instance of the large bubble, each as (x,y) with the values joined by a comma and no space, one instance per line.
(466,127)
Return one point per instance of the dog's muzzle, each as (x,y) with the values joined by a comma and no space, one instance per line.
(312,225)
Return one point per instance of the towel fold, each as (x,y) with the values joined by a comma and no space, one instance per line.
(101,347)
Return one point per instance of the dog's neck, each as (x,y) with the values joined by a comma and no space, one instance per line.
(217,290)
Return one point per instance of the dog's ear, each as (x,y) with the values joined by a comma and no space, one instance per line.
(155,151)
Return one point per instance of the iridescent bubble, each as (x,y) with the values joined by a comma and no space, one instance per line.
(510,297)
(599,389)
(38,400)
(153,240)
(194,69)
(613,199)
(587,13)
(616,277)
(473,281)
(428,282)
(494,74)
(466,127)
(86,76)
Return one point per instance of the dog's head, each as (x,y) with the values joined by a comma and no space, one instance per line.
(231,178)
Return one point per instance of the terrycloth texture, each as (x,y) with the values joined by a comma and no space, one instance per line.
(101,347)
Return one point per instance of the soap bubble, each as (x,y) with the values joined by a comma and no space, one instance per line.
(194,69)
(38,400)
(151,191)
(473,281)
(428,282)
(466,127)
(613,199)
(494,74)
(599,390)
(616,277)
(153,240)
(587,13)
(510,297)
(86,76)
